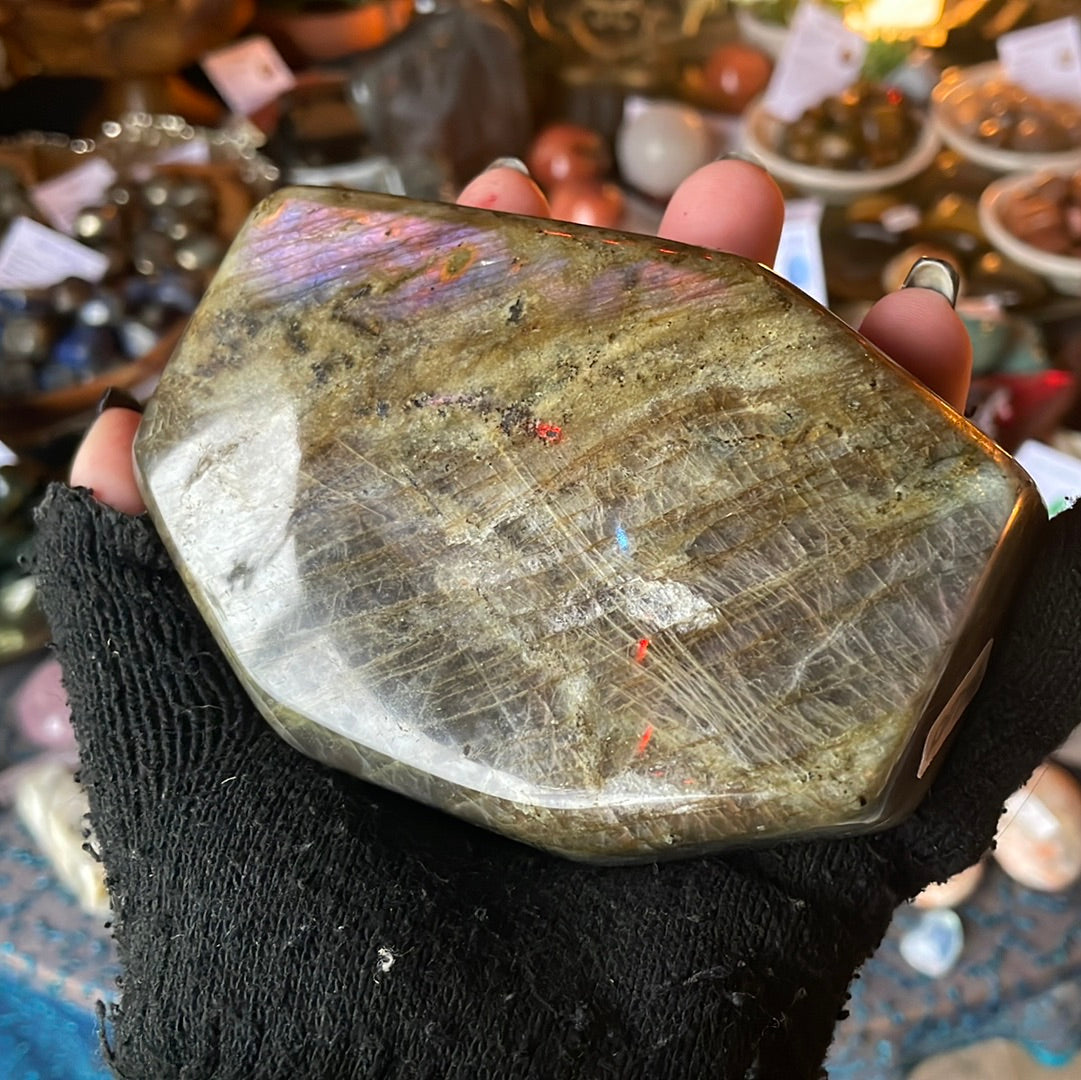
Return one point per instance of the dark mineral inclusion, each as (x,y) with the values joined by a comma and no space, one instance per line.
(623,548)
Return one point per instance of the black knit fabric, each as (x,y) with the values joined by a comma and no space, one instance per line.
(278,920)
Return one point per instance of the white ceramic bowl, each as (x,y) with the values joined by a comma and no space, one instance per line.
(833,185)
(1063,272)
(770,37)
(959,81)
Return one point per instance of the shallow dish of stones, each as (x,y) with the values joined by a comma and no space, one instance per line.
(959,82)
(1062,272)
(834,186)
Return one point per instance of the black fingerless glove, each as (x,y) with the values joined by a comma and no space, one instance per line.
(277,919)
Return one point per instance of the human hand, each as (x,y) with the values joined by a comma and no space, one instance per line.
(279,919)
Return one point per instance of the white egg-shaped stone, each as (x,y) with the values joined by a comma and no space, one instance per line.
(660,146)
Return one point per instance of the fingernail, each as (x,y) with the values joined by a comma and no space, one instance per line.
(733,156)
(517,164)
(937,275)
(115,398)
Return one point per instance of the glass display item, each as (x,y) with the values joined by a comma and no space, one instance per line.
(624,548)
(450,89)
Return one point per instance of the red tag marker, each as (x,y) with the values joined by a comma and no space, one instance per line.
(643,742)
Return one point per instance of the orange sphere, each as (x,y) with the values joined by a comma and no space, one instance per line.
(567,152)
(733,75)
(587,202)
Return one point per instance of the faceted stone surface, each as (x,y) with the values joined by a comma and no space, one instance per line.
(623,548)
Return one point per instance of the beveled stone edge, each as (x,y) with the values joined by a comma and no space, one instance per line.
(989,604)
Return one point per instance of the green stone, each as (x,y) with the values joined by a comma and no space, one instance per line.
(623,548)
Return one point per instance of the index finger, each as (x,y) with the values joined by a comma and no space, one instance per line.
(730,205)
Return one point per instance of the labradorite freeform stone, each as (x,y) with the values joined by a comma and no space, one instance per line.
(623,548)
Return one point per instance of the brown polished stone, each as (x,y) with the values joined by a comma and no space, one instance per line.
(620,547)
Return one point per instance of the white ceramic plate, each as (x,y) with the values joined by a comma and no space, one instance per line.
(1062,271)
(768,36)
(834,185)
(959,81)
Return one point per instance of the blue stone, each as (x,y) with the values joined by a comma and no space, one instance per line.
(55,377)
(104,308)
(136,338)
(84,349)
(22,300)
(934,943)
(179,290)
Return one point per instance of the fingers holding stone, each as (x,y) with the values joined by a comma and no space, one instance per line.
(730,205)
(104,464)
(735,206)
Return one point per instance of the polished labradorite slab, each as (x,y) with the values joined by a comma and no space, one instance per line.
(623,548)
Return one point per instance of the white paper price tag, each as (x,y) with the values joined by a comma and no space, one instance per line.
(33,256)
(821,57)
(799,254)
(1045,59)
(248,75)
(188,152)
(900,218)
(61,198)
(1057,475)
